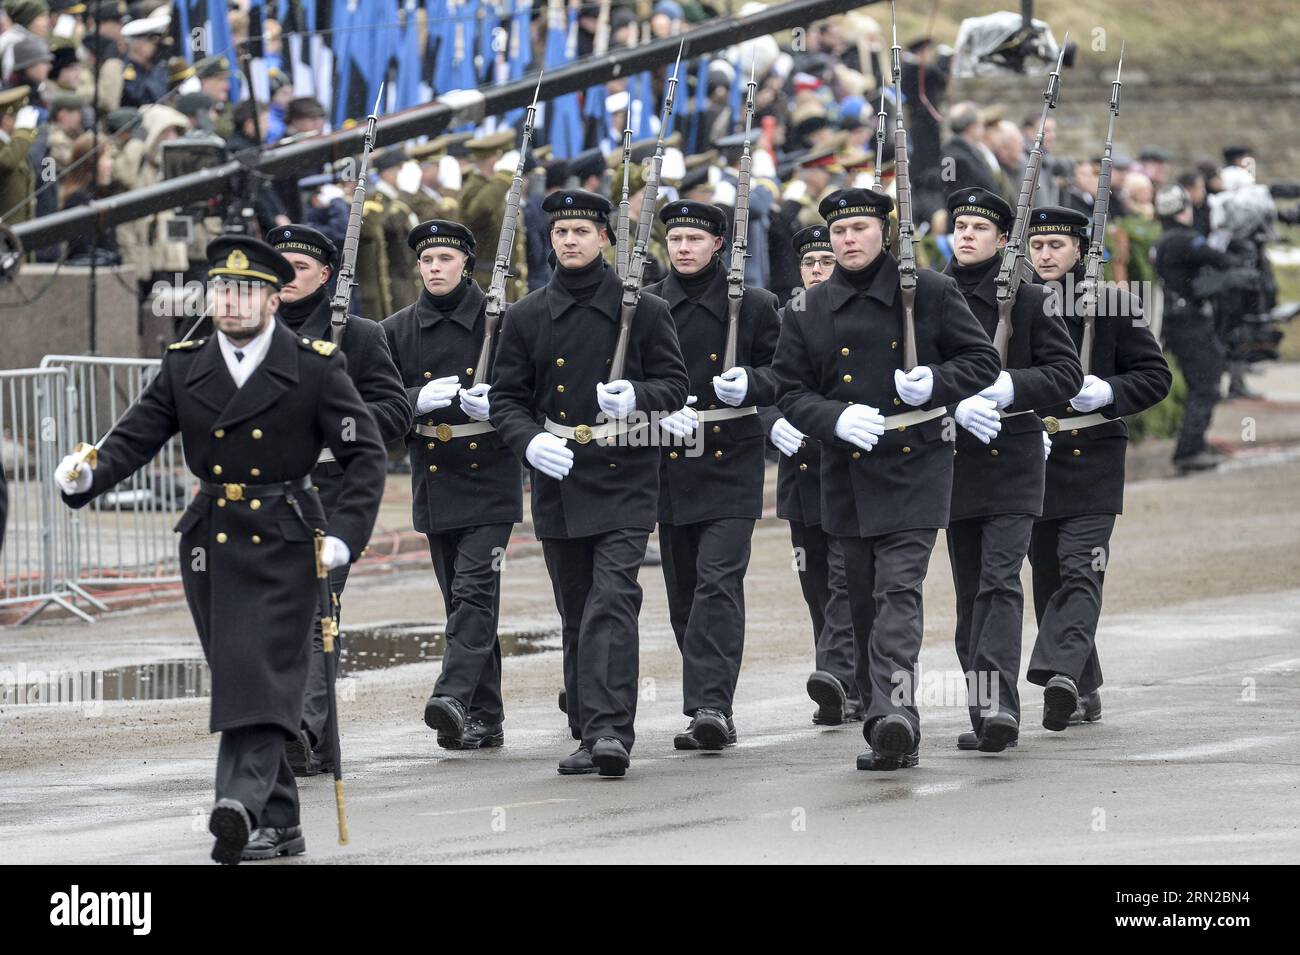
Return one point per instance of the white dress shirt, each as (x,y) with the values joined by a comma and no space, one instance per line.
(254,351)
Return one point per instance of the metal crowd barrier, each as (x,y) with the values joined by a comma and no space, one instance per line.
(32,422)
(124,538)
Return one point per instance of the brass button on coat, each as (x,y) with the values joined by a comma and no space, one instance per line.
(803,467)
(848,379)
(254,504)
(713,357)
(221,538)
(559,363)
(433,468)
(898,401)
(256,472)
(1077,452)
(907,450)
(717,428)
(220,433)
(257,434)
(431,445)
(428,374)
(216,469)
(256,539)
(221,502)
(560,388)
(672,455)
(717,454)
(994,452)
(844,351)
(856,455)
(473,445)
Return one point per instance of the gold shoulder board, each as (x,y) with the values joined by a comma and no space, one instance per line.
(188,343)
(323,347)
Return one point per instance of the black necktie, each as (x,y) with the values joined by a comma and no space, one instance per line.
(239,355)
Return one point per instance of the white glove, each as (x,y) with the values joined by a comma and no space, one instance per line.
(731,386)
(617,399)
(979,415)
(786,438)
(1094,394)
(27,117)
(1002,392)
(681,424)
(437,394)
(474,402)
(916,386)
(63,476)
(334,553)
(550,454)
(1047,446)
(861,425)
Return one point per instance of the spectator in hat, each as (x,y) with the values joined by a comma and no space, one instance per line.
(304,117)
(65,125)
(1008,147)
(77,187)
(1082,191)
(145,78)
(1155,164)
(667,19)
(30,61)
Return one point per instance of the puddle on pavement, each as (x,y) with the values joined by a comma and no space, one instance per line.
(364,648)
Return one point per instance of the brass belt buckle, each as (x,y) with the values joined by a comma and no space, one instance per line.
(234,492)
(582,434)
(443,432)
(1051,424)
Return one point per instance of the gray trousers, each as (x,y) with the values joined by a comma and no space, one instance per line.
(1069,557)
(884,576)
(986,554)
(467,563)
(599,599)
(821,578)
(704,568)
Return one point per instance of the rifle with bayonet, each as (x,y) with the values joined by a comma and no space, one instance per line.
(906,237)
(623,228)
(881,119)
(739,234)
(636,261)
(1097,245)
(342,299)
(496,294)
(1015,267)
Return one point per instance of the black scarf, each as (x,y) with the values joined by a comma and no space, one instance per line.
(696,284)
(582,282)
(970,277)
(446,304)
(295,314)
(862,278)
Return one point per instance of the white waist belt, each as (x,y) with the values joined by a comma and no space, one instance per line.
(913,417)
(1012,414)
(723,414)
(585,433)
(445,432)
(1054,425)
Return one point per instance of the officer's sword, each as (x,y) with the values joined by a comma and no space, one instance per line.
(329,630)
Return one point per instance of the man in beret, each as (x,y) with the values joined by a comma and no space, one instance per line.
(594,459)
(466,495)
(886,461)
(711,472)
(254,404)
(997,486)
(1124,373)
(820,563)
(305,310)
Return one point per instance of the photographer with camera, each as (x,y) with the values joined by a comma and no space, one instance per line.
(1180,255)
